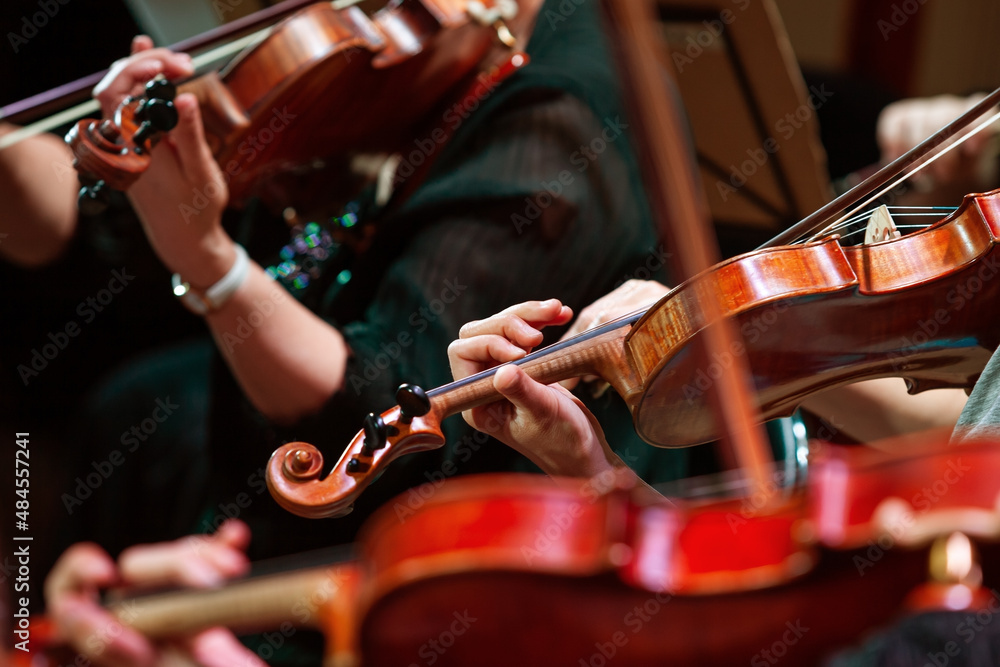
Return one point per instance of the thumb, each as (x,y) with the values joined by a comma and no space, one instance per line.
(526,394)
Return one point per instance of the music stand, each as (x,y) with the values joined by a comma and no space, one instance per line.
(752,117)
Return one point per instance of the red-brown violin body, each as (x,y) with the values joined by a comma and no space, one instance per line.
(595,565)
(820,315)
(907,491)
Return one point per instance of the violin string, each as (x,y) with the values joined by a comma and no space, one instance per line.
(912,172)
(862,229)
(924,164)
(920,226)
(861,219)
(867,216)
(594,330)
(897,211)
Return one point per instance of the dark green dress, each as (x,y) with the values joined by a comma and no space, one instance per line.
(536,196)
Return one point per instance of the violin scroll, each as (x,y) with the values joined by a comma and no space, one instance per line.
(113,154)
(414,425)
(293,473)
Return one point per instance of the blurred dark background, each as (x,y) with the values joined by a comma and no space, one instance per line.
(875,48)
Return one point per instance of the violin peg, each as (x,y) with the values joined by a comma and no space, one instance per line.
(155,116)
(161,89)
(376,434)
(144,132)
(412,402)
(161,114)
(93,199)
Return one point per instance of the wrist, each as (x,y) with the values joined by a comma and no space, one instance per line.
(586,459)
(208,300)
(603,459)
(205,264)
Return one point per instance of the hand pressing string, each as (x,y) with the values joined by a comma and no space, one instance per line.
(71,595)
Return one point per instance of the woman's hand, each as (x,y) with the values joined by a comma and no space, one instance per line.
(181,196)
(631,296)
(198,561)
(128,75)
(545,423)
(180,199)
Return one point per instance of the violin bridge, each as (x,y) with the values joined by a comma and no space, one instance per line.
(880,227)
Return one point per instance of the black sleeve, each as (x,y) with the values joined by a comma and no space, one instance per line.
(545,209)
(575,229)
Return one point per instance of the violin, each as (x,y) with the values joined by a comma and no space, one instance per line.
(324,82)
(813,316)
(590,560)
(798,309)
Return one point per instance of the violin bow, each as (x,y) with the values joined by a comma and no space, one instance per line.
(891,175)
(80,89)
(673,186)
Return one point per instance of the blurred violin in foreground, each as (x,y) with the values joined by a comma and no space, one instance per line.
(612,573)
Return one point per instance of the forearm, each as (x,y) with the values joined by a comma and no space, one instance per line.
(877,409)
(287,360)
(610,466)
(38,190)
(574,459)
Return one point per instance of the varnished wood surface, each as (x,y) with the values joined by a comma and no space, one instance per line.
(325,83)
(574,559)
(534,620)
(908,496)
(580,528)
(249,606)
(819,316)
